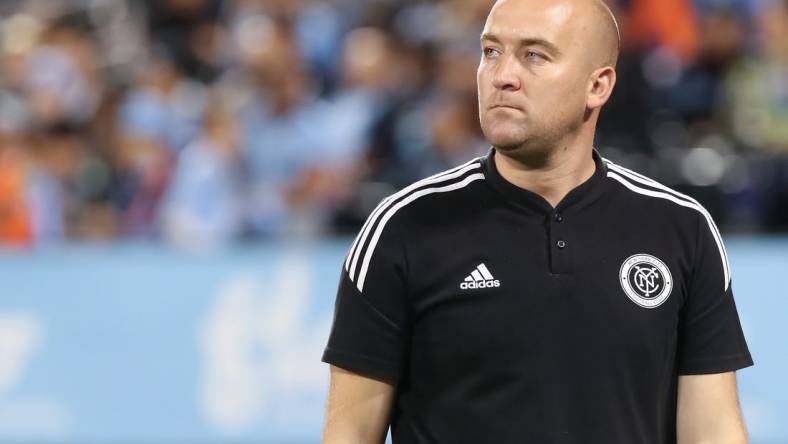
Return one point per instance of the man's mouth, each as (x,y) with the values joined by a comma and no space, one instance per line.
(506,105)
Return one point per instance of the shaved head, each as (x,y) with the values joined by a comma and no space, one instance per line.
(607,34)
(594,20)
(547,68)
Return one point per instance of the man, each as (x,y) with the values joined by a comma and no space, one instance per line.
(539,294)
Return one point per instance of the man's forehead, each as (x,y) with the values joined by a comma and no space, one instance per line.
(525,19)
(554,9)
(564,24)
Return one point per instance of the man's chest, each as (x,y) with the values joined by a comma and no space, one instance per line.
(527,293)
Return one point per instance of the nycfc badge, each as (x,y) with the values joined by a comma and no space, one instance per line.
(646,280)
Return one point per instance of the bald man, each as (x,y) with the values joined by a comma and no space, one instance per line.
(600,310)
(547,68)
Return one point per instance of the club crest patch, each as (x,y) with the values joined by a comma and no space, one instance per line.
(646,280)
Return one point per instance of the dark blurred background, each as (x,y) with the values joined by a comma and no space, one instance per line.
(206,122)
(179,181)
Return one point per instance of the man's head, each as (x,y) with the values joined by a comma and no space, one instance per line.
(547,67)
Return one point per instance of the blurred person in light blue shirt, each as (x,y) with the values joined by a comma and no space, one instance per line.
(164,105)
(304,153)
(368,72)
(204,203)
(285,137)
(157,118)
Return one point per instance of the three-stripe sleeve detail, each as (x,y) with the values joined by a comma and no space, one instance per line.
(361,252)
(636,183)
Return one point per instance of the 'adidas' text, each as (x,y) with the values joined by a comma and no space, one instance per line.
(480,277)
(480,284)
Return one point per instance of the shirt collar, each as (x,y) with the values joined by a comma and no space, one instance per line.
(580,196)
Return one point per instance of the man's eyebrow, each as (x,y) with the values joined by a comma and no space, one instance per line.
(526,41)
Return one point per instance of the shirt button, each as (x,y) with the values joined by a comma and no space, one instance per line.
(560,244)
(559,217)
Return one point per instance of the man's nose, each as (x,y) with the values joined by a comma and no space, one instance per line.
(505,75)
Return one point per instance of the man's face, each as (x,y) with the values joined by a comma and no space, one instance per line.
(533,74)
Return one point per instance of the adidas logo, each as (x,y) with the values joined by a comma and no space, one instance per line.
(480,278)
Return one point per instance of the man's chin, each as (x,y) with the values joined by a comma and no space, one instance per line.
(508,147)
(506,143)
(506,136)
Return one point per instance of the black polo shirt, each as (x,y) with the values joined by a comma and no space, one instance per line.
(504,320)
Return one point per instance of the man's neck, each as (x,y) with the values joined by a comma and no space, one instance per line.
(554,177)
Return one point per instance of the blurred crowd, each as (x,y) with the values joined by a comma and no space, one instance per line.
(207,122)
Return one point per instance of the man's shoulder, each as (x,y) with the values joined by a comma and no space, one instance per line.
(426,202)
(671,209)
(435,195)
(643,190)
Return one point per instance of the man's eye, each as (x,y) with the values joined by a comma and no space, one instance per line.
(489,52)
(531,55)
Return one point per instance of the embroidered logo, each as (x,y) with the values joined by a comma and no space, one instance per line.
(480,277)
(646,280)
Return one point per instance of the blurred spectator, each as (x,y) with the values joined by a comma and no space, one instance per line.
(757,89)
(670,25)
(60,78)
(698,95)
(164,107)
(159,116)
(758,86)
(281,132)
(189,31)
(203,205)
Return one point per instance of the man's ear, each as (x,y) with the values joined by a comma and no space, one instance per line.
(600,87)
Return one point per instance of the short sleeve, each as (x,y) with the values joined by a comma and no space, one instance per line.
(710,334)
(369,334)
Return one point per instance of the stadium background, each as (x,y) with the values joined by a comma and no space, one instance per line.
(179,180)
